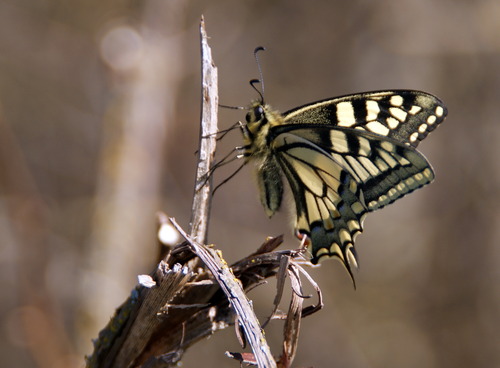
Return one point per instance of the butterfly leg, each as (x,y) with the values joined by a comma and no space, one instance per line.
(305,242)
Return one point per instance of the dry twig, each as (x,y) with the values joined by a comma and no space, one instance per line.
(182,296)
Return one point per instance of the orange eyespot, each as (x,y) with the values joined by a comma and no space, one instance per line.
(304,238)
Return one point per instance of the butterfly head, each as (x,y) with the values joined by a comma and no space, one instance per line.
(259,119)
(256,114)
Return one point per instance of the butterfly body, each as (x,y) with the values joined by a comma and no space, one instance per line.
(341,158)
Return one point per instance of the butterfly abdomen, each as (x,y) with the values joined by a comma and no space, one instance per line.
(257,148)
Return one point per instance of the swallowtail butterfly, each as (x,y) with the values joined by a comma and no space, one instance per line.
(342,158)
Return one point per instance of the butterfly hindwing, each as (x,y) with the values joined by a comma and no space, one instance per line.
(329,203)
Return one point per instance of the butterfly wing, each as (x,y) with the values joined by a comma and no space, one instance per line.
(329,204)
(338,175)
(342,158)
(403,115)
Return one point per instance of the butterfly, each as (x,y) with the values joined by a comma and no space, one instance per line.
(341,158)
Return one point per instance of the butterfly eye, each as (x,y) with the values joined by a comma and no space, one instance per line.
(258,113)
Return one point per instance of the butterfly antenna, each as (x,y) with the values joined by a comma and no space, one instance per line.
(253,82)
(256,55)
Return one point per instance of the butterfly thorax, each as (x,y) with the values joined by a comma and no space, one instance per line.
(256,138)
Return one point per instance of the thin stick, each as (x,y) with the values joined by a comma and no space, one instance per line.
(201,208)
(208,132)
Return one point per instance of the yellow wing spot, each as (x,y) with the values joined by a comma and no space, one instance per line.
(392,193)
(369,165)
(396,100)
(415,110)
(422,128)
(419,177)
(345,236)
(372,108)
(377,128)
(330,180)
(357,208)
(403,161)
(353,187)
(335,249)
(332,200)
(372,204)
(321,251)
(431,120)
(328,223)
(410,182)
(350,257)
(414,137)
(401,186)
(339,141)
(364,146)
(345,114)
(382,198)
(359,173)
(335,166)
(353,225)
(439,111)
(335,214)
(389,147)
(393,123)
(428,173)
(312,208)
(323,210)
(389,160)
(398,113)
(381,164)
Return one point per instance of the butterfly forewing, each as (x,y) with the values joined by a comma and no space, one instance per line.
(406,116)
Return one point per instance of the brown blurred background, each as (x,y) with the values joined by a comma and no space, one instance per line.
(99,110)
